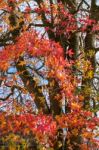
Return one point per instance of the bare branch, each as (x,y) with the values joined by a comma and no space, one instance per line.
(4,99)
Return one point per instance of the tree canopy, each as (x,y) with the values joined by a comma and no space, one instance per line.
(49,74)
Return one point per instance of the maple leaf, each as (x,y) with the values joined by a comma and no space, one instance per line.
(90,74)
(28,116)
(22,63)
(70,52)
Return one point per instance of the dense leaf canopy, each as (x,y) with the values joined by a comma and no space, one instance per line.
(49,74)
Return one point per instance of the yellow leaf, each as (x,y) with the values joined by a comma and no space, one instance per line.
(22,63)
(90,74)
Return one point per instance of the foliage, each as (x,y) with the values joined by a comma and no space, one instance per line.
(47,62)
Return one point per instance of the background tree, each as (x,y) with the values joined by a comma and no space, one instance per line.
(48,72)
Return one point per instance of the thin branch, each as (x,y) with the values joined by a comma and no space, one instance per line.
(4,99)
(12,91)
(38,25)
(36,71)
(78,8)
(86,3)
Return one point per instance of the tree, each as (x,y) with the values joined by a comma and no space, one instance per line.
(48,73)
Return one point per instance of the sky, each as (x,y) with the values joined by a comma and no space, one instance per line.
(97,2)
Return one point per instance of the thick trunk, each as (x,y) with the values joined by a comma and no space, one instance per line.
(24,74)
(89,46)
(32,87)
